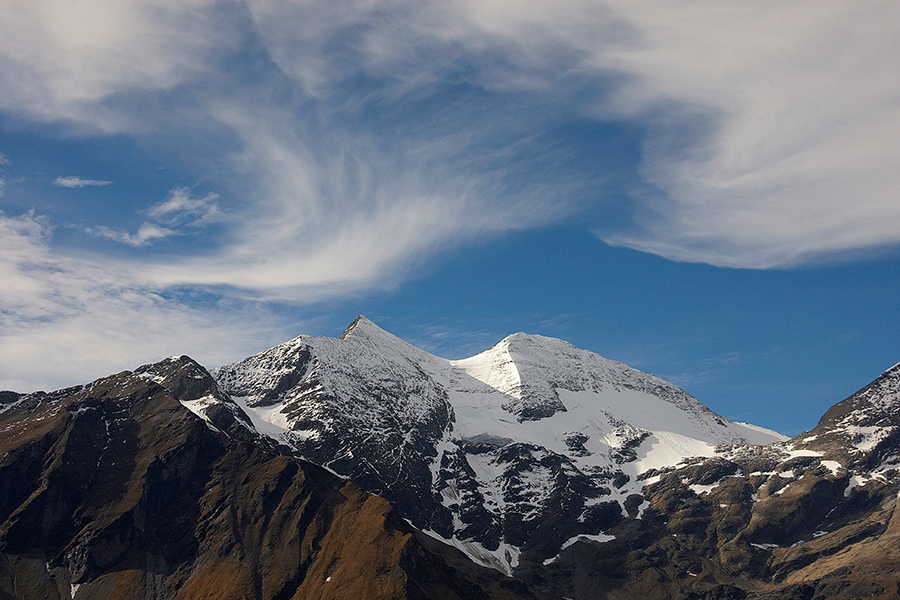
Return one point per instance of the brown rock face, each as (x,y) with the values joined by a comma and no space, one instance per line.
(116,491)
(814,518)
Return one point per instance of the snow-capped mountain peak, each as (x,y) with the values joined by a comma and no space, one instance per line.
(473,449)
(364,331)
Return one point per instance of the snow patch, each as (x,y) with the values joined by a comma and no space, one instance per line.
(597,538)
(504,559)
(765,546)
(855,482)
(865,439)
(11,405)
(832,465)
(199,406)
(271,422)
(794,453)
(704,489)
(645,504)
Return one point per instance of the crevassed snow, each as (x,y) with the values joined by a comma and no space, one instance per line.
(674,433)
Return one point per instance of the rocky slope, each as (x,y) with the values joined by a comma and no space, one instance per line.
(813,517)
(578,476)
(117,490)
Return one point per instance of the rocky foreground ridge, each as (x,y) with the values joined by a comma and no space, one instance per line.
(533,470)
(117,490)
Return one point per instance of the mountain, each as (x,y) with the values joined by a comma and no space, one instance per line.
(508,455)
(533,469)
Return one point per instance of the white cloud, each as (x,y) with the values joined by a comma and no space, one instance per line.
(181,208)
(770,129)
(65,321)
(62,59)
(799,111)
(319,208)
(78,182)
(145,235)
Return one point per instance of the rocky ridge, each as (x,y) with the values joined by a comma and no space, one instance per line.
(117,490)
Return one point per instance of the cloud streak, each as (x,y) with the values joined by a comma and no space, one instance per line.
(181,208)
(145,235)
(178,211)
(78,182)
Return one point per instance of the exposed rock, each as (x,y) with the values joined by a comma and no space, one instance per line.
(116,490)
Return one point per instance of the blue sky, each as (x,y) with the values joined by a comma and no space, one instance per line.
(707,191)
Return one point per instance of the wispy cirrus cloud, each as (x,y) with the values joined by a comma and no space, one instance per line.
(182,208)
(349,142)
(78,182)
(746,160)
(778,151)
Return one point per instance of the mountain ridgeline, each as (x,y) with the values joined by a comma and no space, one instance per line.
(364,467)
